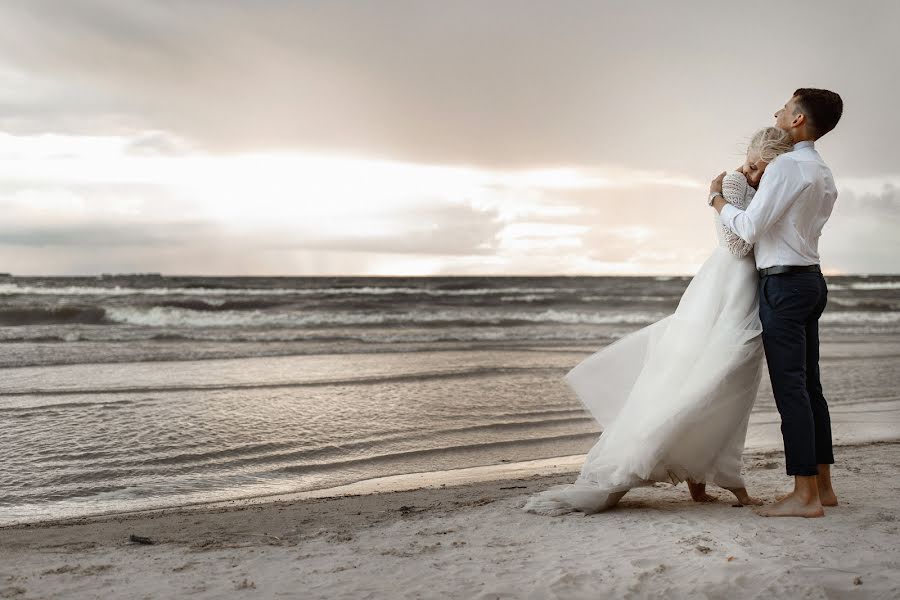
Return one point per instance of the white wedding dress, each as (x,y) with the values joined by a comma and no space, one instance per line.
(674,398)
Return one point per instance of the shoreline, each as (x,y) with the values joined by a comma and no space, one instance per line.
(540,468)
(404,482)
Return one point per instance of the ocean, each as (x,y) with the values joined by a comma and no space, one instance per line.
(121,393)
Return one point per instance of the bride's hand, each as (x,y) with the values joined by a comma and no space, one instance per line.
(716,184)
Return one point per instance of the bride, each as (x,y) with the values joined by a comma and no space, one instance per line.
(674,398)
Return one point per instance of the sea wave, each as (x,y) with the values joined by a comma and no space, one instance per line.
(9,289)
(52,315)
(628,299)
(866,304)
(861,318)
(866,285)
(187,317)
(163,316)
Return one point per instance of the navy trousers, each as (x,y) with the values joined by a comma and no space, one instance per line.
(790,305)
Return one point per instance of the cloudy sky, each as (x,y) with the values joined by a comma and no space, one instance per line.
(425,138)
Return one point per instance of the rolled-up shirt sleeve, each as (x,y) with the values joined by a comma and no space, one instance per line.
(781,184)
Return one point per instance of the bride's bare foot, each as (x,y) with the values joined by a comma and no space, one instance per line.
(803,502)
(614,498)
(826,492)
(698,492)
(744,498)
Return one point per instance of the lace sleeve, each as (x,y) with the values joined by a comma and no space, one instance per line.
(736,192)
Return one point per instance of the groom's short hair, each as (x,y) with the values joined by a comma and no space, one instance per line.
(823,109)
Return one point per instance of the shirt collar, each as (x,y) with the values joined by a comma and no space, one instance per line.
(805,144)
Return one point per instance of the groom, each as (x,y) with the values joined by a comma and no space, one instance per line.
(784,222)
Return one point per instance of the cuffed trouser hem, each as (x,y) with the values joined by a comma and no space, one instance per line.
(804,471)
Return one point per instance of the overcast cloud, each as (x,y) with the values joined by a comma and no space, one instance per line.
(502,89)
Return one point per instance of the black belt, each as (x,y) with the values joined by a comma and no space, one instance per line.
(779,269)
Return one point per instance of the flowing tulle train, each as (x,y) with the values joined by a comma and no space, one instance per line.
(673,398)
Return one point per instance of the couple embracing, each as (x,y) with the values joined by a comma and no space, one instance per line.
(674,398)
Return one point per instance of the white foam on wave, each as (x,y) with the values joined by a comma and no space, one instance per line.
(8,289)
(609,298)
(875,285)
(866,285)
(870,304)
(164,316)
(526,298)
(861,318)
(172,317)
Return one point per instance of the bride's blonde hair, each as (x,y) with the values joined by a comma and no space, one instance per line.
(769,142)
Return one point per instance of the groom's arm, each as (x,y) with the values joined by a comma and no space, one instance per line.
(780,186)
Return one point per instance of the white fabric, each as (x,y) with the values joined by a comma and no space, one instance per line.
(795,198)
(737,192)
(673,398)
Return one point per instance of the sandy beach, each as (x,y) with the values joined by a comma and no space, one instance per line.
(469,539)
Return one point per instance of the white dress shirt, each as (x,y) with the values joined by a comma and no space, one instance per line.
(785,219)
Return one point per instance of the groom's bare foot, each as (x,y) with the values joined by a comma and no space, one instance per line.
(823,483)
(828,498)
(793,506)
(826,492)
(825,498)
(803,502)
(743,498)
(698,492)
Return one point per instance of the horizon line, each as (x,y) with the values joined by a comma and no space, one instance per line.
(151,274)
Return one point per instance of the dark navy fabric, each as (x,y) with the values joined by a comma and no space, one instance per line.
(790,305)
